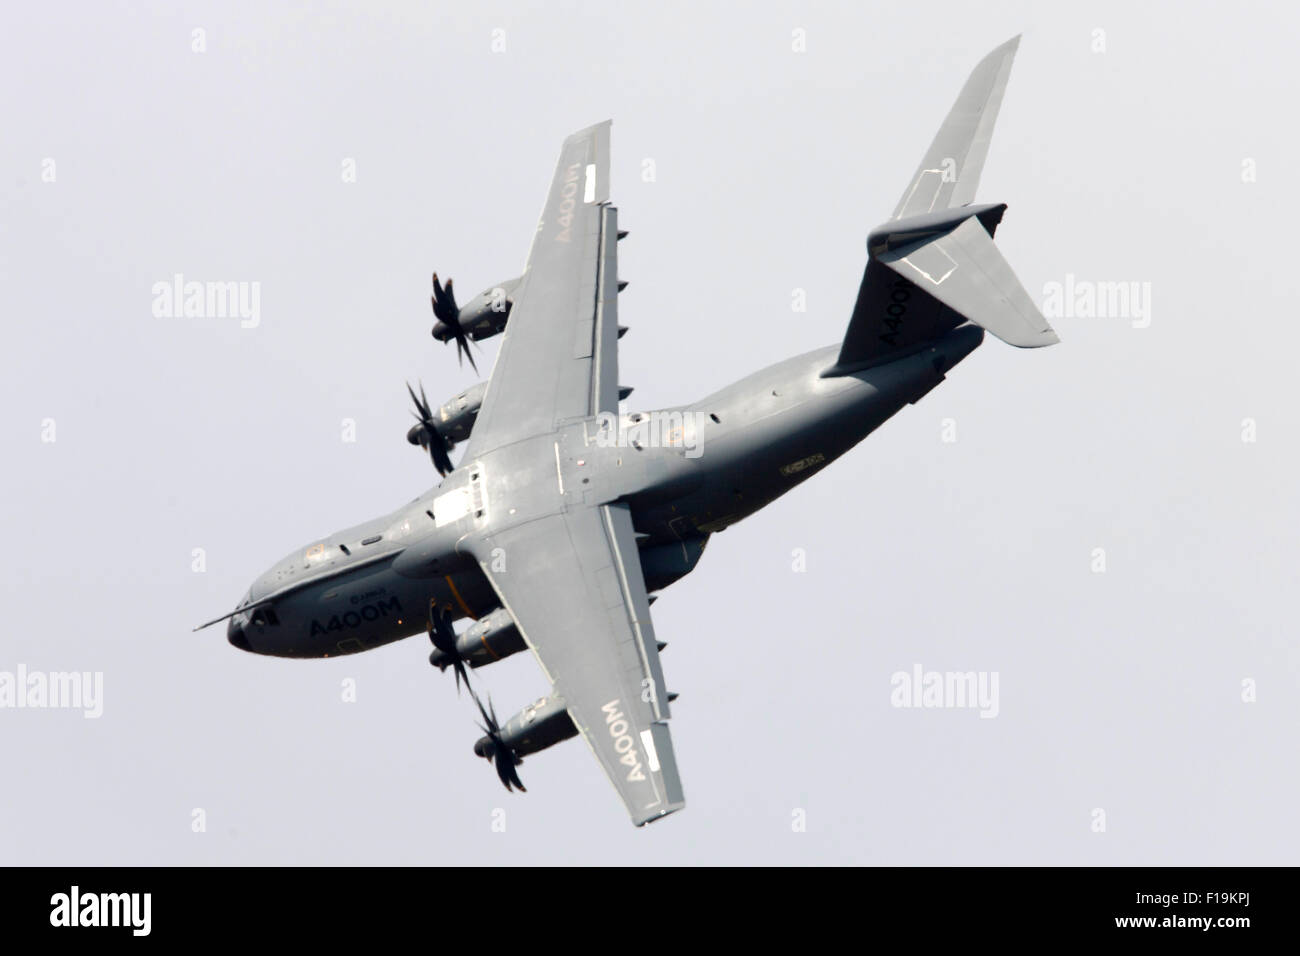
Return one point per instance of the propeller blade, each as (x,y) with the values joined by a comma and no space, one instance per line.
(447,312)
(431,438)
(505,762)
(438,452)
(444,303)
(503,758)
(462,351)
(443,636)
(420,412)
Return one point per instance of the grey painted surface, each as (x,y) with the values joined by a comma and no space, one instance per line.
(1120,690)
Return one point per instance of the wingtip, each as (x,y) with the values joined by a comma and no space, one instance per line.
(1039,340)
(1006,49)
(588,131)
(644,819)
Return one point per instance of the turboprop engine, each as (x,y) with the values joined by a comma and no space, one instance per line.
(482,317)
(539,725)
(489,639)
(453,419)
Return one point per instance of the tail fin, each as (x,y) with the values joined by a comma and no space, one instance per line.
(934,265)
(951,168)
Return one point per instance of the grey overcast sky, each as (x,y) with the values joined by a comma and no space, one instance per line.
(1144,143)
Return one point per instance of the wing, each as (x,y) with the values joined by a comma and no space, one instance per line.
(559,357)
(572,582)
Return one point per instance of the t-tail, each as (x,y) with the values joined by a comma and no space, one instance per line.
(933,266)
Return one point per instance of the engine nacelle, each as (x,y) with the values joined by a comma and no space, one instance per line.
(489,639)
(663,564)
(485,315)
(539,725)
(454,418)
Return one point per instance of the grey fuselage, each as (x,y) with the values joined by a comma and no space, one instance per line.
(738,450)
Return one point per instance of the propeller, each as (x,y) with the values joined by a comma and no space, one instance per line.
(496,749)
(447,312)
(426,433)
(443,638)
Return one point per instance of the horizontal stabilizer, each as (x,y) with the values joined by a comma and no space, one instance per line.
(964,270)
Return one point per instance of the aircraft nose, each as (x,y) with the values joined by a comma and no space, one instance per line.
(235,635)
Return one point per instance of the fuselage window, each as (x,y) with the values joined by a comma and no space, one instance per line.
(372,540)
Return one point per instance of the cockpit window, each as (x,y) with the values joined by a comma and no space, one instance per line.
(372,539)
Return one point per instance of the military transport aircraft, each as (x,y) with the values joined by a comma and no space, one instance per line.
(563,516)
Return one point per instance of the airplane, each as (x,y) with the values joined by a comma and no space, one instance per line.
(565,517)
